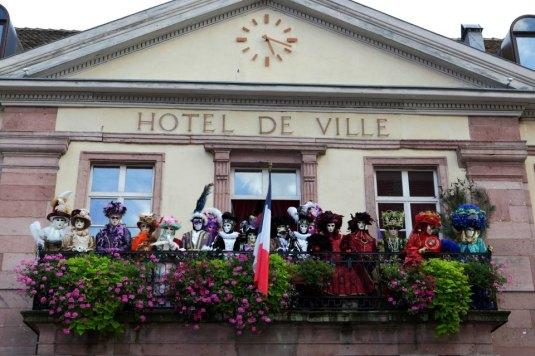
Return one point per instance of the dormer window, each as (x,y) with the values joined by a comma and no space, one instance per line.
(519,45)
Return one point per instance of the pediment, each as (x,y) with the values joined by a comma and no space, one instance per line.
(335,42)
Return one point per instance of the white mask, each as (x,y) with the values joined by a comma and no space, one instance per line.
(59,222)
(330,227)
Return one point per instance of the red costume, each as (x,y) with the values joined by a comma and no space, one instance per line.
(355,279)
(142,241)
(421,240)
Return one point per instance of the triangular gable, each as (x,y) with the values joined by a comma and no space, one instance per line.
(437,60)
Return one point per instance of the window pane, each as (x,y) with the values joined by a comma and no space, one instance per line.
(139,180)
(421,184)
(105,179)
(388,206)
(135,207)
(389,184)
(416,208)
(284,183)
(248,183)
(526,51)
(96,207)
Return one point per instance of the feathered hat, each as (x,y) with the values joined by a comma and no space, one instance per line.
(364,217)
(311,209)
(228,217)
(60,208)
(81,214)
(300,214)
(197,212)
(169,221)
(468,215)
(328,217)
(214,218)
(393,219)
(114,208)
(148,219)
(427,218)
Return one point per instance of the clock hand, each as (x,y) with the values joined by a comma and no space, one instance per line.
(269,44)
(279,42)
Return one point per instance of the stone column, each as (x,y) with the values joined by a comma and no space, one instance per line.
(309,174)
(495,160)
(29,159)
(222,179)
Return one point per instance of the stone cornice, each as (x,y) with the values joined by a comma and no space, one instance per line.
(38,143)
(169,20)
(510,152)
(213,95)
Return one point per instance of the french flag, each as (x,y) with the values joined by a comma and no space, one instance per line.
(261,248)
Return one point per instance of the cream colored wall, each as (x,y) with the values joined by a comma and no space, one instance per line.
(185,171)
(301,124)
(341,185)
(527,131)
(319,56)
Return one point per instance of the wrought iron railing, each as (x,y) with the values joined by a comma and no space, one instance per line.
(354,284)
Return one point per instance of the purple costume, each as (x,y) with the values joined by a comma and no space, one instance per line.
(113,239)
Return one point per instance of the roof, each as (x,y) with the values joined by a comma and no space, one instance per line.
(35,37)
(160,23)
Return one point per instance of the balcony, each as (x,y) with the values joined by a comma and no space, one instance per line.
(334,303)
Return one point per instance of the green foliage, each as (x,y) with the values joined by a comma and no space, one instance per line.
(313,272)
(452,294)
(280,282)
(463,191)
(485,276)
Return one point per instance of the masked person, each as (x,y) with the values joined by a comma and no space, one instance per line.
(166,240)
(50,238)
(197,238)
(282,240)
(327,238)
(423,238)
(147,224)
(114,237)
(248,233)
(303,218)
(469,221)
(393,222)
(79,239)
(226,237)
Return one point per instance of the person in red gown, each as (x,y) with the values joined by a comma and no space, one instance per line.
(423,238)
(327,237)
(355,278)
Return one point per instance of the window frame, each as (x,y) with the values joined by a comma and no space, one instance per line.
(265,183)
(371,164)
(406,199)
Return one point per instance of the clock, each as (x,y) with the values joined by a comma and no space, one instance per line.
(266,40)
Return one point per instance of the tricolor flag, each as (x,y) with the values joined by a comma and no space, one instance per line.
(261,248)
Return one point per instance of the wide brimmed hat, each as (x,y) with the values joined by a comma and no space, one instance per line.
(427,218)
(228,217)
(328,217)
(169,221)
(393,219)
(60,208)
(114,208)
(149,219)
(468,215)
(81,214)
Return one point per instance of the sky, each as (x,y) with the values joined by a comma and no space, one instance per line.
(442,17)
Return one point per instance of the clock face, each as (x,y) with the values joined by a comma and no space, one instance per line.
(266,40)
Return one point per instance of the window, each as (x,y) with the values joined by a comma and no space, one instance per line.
(249,189)
(410,191)
(132,185)
(526,51)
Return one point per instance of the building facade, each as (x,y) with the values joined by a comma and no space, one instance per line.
(355,109)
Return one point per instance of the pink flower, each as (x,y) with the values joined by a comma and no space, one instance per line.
(142,318)
(66,331)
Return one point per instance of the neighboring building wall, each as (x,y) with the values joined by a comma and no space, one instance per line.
(29,164)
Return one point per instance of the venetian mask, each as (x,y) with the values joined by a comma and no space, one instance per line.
(79,224)
(393,232)
(430,230)
(197,224)
(227,227)
(331,227)
(167,231)
(144,227)
(303,227)
(282,230)
(470,235)
(59,222)
(361,225)
(115,220)
(251,238)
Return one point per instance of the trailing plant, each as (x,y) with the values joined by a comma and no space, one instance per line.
(452,294)
(313,272)
(463,191)
(482,275)
(203,289)
(408,289)
(84,293)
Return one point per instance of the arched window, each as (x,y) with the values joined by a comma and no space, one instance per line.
(519,45)
(9,43)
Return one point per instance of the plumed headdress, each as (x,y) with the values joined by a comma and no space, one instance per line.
(214,219)
(60,208)
(393,219)
(150,220)
(311,209)
(427,218)
(81,214)
(114,208)
(302,213)
(169,221)
(363,217)
(328,217)
(468,215)
(201,202)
